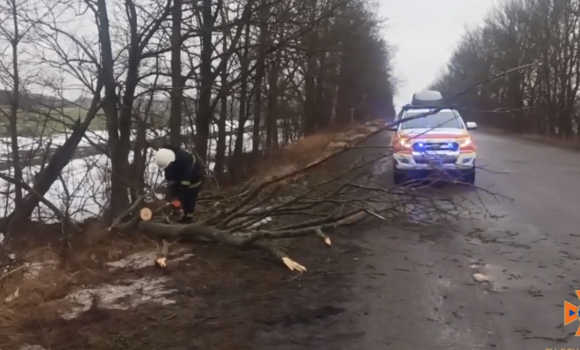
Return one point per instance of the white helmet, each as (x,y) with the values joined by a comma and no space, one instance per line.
(164,157)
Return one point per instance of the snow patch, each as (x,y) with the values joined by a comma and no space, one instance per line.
(124,295)
(33,269)
(141,260)
(261,222)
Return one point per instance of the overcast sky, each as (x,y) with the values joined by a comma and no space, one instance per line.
(424,33)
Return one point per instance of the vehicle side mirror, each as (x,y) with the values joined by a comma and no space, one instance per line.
(471,125)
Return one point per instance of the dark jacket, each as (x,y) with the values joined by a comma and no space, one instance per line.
(183,174)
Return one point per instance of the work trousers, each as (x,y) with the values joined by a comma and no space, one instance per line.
(189,200)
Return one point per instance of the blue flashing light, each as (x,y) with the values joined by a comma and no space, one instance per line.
(448,146)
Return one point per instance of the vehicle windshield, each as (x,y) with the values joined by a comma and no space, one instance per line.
(441,119)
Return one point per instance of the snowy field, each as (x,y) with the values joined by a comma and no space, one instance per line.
(82,189)
(91,137)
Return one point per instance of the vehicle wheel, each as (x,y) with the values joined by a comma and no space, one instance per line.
(469,177)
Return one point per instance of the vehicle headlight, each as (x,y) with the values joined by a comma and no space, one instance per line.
(405,143)
(465,142)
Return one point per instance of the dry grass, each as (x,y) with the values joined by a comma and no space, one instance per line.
(294,155)
(35,316)
(43,280)
(307,148)
(311,148)
(97,246)
(304,151)
(35,296)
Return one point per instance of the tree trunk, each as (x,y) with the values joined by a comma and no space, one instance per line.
(203,117)
(14,107)
(58,161)
(343,106)
(243,108)
(272,121)
(119,194)
(177,81)
(260,72)
(220,153)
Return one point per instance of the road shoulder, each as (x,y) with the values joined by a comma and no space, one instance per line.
(571,145)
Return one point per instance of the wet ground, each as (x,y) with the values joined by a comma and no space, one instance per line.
(482,283)
(495,280)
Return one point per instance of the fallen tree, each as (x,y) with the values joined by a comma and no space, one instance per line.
(252,217)
(248,219)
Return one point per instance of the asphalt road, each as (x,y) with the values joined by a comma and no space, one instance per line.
(476,283)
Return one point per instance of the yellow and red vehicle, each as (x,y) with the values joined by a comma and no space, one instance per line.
(438,142)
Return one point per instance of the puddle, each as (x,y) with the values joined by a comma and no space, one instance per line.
(124,295)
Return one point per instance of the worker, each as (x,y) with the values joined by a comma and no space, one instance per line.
(184,176)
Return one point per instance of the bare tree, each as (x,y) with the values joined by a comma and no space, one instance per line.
(263,72)
(541,100)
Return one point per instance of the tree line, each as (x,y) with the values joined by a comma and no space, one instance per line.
(279,69)
(532,47)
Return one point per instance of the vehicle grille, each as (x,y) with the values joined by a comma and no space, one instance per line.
(445,159)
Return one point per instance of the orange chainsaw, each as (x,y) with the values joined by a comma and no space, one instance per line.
(174,207)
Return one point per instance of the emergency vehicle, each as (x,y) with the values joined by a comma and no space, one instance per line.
(432,139)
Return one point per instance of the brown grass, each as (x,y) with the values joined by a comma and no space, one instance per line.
(308,149)
(35,295)
(295,155)
(84,265)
